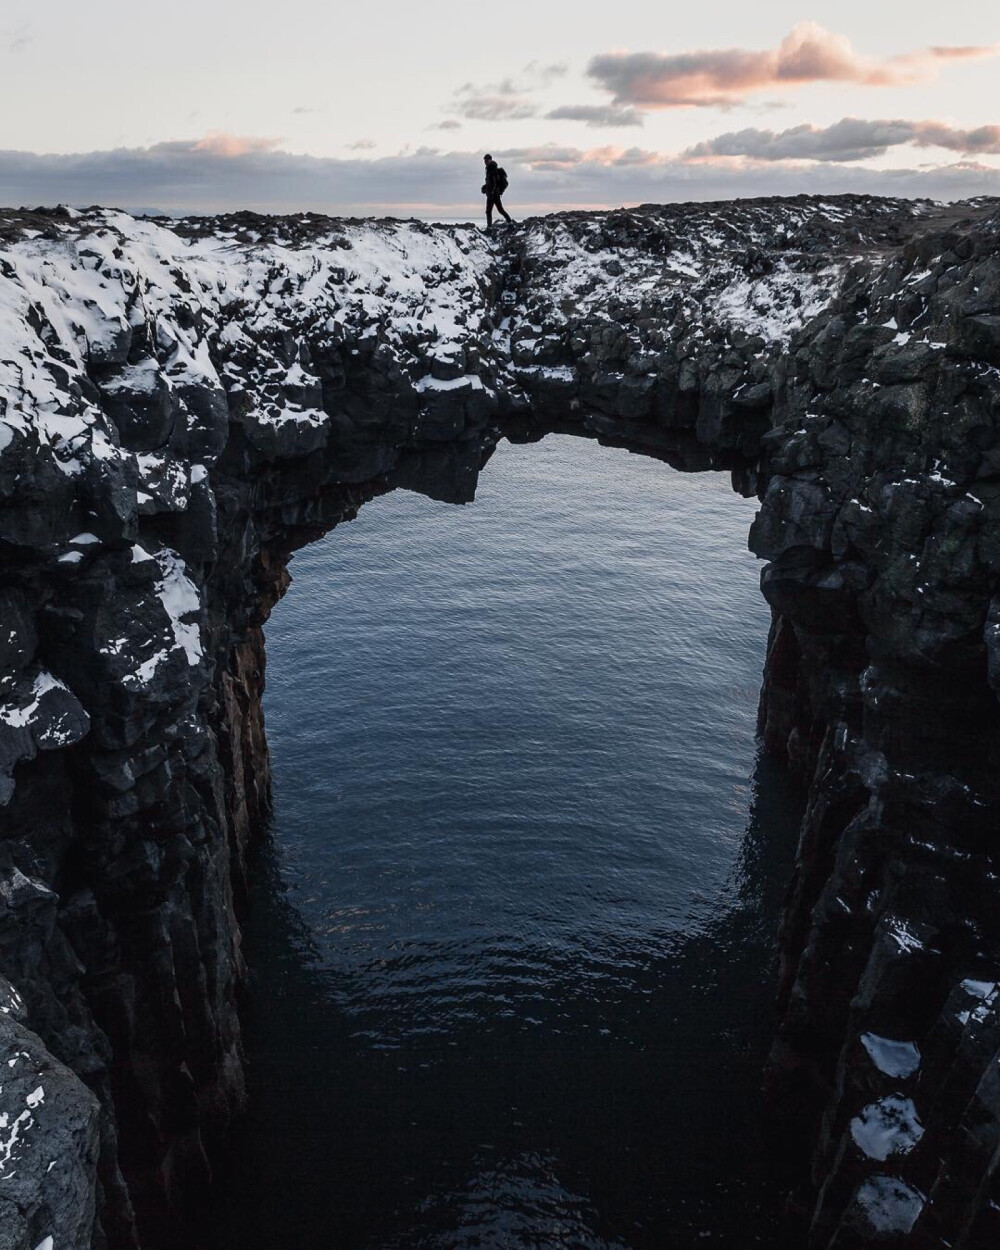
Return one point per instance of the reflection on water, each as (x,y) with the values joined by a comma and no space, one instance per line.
(512,936)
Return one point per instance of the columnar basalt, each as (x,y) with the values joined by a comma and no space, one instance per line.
(182,404)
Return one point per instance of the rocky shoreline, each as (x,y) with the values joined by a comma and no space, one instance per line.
(182,404)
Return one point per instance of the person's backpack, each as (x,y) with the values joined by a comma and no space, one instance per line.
(501,180)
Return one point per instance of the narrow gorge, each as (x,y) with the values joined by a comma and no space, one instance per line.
(184,403)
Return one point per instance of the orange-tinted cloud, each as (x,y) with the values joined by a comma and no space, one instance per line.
(808,54)
(218,143)
(551,157)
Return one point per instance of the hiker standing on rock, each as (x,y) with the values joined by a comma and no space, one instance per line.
(493,188)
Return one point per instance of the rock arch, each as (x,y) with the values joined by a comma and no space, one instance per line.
(181,403)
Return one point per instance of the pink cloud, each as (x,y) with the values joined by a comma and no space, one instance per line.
(218,143)
(808,54)
(550,157)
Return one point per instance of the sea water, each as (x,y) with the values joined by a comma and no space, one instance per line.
(512,933)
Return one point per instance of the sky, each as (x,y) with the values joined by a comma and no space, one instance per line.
(388,106)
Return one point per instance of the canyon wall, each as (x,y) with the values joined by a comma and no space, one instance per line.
(183,403)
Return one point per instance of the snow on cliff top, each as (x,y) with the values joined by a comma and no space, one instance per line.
(148,308)
(73,299)
(764,267)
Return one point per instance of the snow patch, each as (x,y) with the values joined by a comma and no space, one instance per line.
(890,1204)
(179,597)
(19,717)
(11,1002)
(906,939)
(890,1126)
(979,989)
(897,1059)
(468,381)
(384,283)
(553,373)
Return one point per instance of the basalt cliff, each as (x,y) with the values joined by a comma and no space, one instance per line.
(183,403)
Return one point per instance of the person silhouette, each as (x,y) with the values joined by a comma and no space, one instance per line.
(493,188)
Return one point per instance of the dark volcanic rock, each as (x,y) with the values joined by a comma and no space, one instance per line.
(244,383)
(49,1141)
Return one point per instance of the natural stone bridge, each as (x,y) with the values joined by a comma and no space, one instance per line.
(183,403)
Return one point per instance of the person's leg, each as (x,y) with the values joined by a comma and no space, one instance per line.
(489,211)
(501,210)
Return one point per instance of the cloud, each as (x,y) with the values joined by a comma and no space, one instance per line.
(551,157)
(536,75)
(851,139)
(510,98)
(984,140)
(482,107)
(542,156)
(304,108)
(962,52)
(18,38)
(191,176)
(448,124)
(596,114)
(808,54)
(362,145)
(219,143)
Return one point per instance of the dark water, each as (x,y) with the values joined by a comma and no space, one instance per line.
(512,939)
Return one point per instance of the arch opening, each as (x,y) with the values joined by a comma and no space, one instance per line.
(513,931)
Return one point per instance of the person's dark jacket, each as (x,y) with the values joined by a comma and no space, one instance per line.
(491,187)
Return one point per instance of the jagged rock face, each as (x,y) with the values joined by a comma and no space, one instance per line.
(184,403)
(49,1138)
(880,518)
